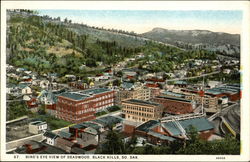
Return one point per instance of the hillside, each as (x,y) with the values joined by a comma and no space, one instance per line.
(46,45)
(223,43)
(49,45)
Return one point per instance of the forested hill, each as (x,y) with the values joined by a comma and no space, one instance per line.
(46,45)
(223,43)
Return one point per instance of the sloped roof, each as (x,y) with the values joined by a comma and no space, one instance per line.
(161,136)
(50,135)
(65,134)
(201,124)
(145,127)
(108,120)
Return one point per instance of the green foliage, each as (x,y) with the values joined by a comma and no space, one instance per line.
(114,144)
(100,113)
(53,123)
(113,108)
(33,41)
(16,109)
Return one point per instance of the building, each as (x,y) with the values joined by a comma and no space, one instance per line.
(132,91)
(35,147)
(107,122)
(37,127)
(50,138)
(165,132)
(81,106)
(141,111)
(210,103)
(65,144)
(175,105)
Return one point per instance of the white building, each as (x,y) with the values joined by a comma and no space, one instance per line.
(50,138)
(37,127)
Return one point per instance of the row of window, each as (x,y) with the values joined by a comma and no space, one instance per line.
(137,118)
(137,108)
(85,111)
(138,113)
(104,102)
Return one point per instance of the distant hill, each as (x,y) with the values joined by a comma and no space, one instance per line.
(223,43)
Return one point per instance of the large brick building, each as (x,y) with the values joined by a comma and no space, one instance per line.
(175,105)
(81,106)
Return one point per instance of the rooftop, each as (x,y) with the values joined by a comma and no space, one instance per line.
(74,95)
(65,134)
(161,136)
(173,98)
(201,124)
(174,94)
(108,120)
(141,102)
(94,91)
(37,123)
(145,127)
(50,135)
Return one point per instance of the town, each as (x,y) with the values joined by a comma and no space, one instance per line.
(69,90)
(76,117)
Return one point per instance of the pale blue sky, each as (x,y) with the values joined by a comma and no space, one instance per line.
(141,21)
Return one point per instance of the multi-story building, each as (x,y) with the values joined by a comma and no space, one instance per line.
(81,106)
(210,103)
(175,105)
(141,111)
(140,93)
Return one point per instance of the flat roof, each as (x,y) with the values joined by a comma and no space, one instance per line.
(141,102)
(173,94)
(74,95)
(81,95)
(94,91)
(108,120)
(173,98)
(37,122)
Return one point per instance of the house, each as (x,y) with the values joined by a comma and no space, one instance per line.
(24,88)
(35,147)
(86,131)
(37,127)
(50,137)
(20,69)
(32,105)
(12,89)
(65,144)
(44,84)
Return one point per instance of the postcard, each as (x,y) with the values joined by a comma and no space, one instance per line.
(125,81)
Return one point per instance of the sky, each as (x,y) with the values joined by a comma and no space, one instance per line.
(141,21)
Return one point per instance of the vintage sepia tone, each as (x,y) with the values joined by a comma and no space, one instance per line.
(97,84)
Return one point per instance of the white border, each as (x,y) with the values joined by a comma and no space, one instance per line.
(141,5)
